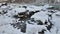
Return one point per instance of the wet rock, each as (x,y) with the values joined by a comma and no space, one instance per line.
(39,22)
(42,32)
(23,28)
(24,7)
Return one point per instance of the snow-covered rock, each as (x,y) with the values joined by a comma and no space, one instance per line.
(14,9)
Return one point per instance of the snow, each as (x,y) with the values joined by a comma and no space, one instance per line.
(33,8)
(56,20)
(5,19)
(6,28)
(40,16)
(35,28)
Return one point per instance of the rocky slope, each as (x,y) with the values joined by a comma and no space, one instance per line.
(29,19)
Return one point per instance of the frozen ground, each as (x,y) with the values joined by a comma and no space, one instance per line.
(7,13)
